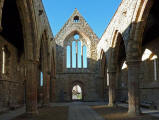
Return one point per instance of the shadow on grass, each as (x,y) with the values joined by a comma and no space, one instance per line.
(51,113)
(119,113)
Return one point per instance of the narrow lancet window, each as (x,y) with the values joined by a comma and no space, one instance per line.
(107,78)
(68,57)
(41,78)
(84,57)
(79,54)
(74,54)
(3,60)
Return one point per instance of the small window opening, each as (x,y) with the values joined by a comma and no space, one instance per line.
(3,60)
(107,78)
(41,79)
(76,19)
(124,66)
(76,37)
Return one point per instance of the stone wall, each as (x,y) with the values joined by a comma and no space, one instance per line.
(21,79)
(135,25)
(12,81)
(66,77)
(148,85)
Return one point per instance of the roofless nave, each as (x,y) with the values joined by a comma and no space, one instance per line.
(38,69)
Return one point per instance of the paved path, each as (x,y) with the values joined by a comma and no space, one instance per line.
(80,111)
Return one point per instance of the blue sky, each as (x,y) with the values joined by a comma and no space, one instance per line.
(97,13)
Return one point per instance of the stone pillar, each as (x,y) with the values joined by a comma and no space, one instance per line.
(1,6)
(118,80)
(31,87)
(46,88)
(112,89)
(133,87)
(52,89)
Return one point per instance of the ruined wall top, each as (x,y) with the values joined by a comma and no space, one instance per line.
(76,24)
(121,22)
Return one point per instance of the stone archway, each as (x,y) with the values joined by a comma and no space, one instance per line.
(77,91)
(104,69)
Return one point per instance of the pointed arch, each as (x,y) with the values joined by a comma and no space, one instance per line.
(137,28)
(103,64)
(76,32)
(82,86)
(118,51)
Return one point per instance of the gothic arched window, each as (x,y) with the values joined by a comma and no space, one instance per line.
(76,55)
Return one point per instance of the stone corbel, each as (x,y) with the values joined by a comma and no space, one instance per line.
(1,6)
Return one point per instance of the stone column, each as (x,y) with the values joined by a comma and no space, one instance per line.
(46,88)
(118,80)
(133,87)
(112,88)
(1,6)
(31,87)
(52,89)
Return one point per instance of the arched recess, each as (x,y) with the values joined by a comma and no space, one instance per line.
(81,86)
(147,36)
(26,12)
(117,56)
(1,6)
(103,62)
(139,37)
(104,70)
(53,77)
(41,71)
(19,29)
(45,65)
(118,52)
(137,29)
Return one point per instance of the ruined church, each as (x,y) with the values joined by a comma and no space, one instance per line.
(76,71)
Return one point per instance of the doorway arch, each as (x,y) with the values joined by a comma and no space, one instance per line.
(77,91)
